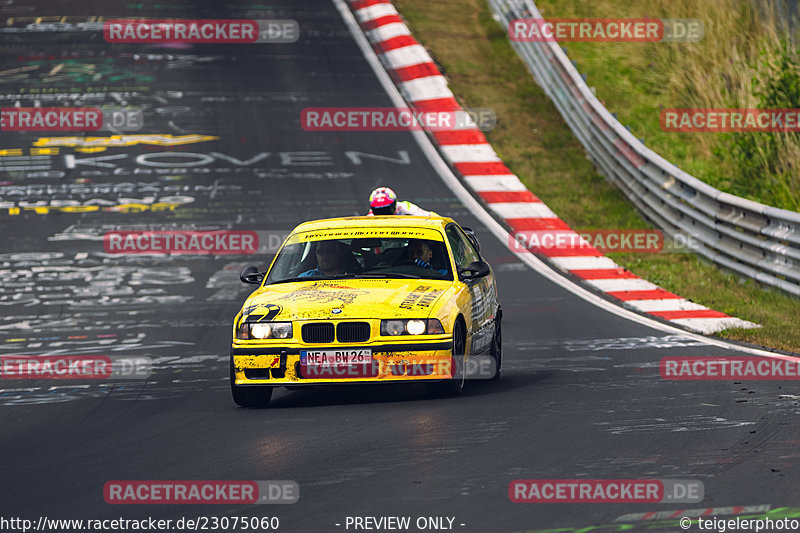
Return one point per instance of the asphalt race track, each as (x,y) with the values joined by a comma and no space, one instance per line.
(580,397)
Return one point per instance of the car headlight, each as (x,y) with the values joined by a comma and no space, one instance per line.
(392,327)
(415,326)
(265,330)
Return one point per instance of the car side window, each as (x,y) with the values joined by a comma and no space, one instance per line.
(463,252)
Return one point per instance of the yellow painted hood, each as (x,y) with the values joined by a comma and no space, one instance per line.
(353,298)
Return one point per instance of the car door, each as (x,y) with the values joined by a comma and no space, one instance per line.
(482,301)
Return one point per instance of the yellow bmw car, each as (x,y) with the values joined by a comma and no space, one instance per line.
(381,299)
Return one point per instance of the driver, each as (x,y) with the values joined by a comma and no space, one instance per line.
(383,201)
(330,260)
(421,253)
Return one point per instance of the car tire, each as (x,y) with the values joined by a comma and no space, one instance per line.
(497,347)
(253,397)
(454,386)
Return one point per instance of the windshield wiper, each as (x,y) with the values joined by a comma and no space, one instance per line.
(318,277)
(388,275)
(289,280)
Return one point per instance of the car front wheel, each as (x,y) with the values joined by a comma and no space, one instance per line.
(454,385)
(497,347)
(253,397)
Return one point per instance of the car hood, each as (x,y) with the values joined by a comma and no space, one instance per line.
(348,298)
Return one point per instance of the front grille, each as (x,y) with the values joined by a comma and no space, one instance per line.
(352,332)
(321,332)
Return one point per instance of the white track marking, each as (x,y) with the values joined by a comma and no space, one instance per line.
(503,182)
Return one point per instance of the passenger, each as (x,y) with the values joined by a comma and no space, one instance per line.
(383,201)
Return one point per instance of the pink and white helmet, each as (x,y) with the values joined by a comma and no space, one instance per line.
(383,201)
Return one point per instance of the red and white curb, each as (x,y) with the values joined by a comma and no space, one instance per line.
(426,90)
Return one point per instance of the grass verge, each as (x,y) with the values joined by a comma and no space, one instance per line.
(742,61)
(535,143)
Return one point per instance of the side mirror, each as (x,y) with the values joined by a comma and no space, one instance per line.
(251,275)
(472,238)
(475,270)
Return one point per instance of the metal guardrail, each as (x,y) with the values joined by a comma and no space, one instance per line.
(788,12)
(752,239)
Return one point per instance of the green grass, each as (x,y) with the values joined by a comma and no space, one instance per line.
(536,144)
(729,68)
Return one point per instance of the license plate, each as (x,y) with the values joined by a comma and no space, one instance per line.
(345,357)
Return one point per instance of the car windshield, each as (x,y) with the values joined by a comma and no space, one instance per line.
(361,258)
